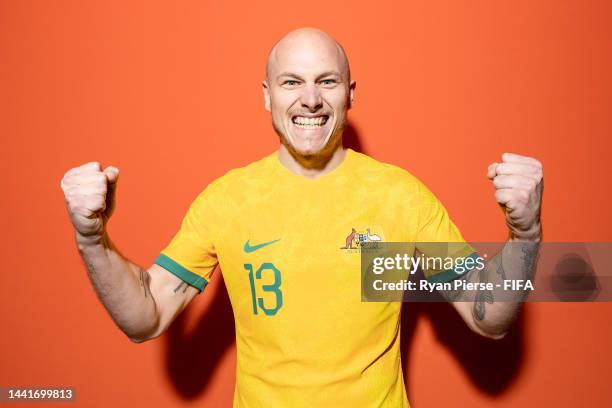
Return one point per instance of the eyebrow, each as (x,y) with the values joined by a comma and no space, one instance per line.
(323,75)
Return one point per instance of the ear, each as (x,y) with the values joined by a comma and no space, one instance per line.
(352,87)
(266,94)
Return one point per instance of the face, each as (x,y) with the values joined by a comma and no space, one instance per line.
(308,91)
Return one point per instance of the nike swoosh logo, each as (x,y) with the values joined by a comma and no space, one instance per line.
(251,248)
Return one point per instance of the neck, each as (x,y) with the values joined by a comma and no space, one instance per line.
(311,166)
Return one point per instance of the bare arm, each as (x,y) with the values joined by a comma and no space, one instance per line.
(519,186)
(142,302)
(484,312)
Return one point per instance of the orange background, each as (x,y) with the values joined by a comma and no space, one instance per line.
(170,93)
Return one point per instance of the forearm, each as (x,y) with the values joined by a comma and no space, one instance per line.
(492,312)
(122,286)
(519,184)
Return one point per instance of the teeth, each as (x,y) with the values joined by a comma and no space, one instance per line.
(310,123)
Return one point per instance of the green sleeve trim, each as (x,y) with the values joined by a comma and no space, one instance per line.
(450,274)
(180,271)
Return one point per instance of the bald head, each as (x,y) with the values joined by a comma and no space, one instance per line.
(308,90)
(309,46)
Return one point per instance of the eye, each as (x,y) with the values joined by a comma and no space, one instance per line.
(328,82)
(290,82)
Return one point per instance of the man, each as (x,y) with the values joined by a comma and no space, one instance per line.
(280,229)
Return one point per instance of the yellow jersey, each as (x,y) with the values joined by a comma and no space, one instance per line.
(288,248)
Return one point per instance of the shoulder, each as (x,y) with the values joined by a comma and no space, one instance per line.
(372,171)
(239,180)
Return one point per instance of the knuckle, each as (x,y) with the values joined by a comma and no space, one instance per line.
(75,190)
(70,196)
(67,189)
(94,205)
(97,204)
(98,179)
(71,190)
(66,181)
(70,172)
(531,184)
(75,206)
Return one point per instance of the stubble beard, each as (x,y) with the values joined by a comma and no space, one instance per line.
(315,159)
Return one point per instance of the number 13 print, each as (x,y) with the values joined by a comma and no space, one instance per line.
(274,287)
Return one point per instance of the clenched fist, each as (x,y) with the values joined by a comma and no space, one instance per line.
(90,194)
(519,183)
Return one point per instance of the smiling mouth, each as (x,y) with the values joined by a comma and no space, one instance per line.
(310,122)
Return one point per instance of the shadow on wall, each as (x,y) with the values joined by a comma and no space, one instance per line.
(492,366)
(350,138)
(191,358)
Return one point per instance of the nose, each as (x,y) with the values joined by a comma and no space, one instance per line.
(311,98)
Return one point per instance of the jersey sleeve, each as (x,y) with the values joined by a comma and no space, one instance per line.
(440,241)
(191,254)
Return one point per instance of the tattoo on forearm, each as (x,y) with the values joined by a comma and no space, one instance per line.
(456,294)
(452,295)
(527,264)
(499,265)
(483,296)
(530,258)
(144,279)
(90,267)
(181,285)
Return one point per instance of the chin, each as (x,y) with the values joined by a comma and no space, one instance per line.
(312,155)
(309,146)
